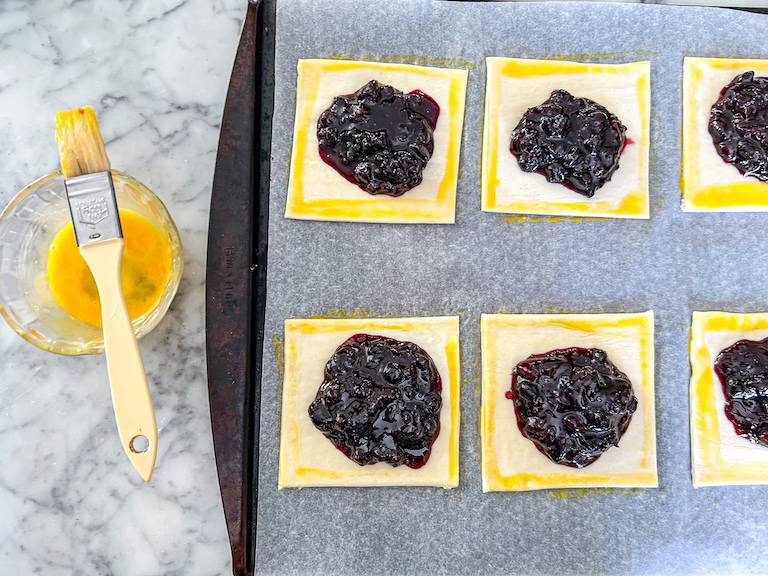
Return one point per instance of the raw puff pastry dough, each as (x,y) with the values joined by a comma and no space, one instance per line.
(511,462)
(307,458)
(514,85)
(709,184)
(719,456)
(317,192)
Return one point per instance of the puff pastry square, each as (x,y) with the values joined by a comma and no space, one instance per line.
(307,458)
(719,456)
(514,85)
(709,184)
(317,192)
(511,462)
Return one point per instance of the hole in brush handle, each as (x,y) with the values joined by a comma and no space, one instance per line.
(139,444)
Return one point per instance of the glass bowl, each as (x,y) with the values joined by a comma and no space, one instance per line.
(27,227)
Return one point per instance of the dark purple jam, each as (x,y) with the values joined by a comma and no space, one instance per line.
(738,124)
(380,401)
(571,141)
(743,372)
(573,404)
(379,138)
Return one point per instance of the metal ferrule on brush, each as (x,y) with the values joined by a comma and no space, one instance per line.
(93,205)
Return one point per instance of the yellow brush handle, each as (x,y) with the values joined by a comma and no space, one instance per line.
(130,393)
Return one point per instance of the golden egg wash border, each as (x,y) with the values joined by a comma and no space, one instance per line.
(364,207)
(438,336)
(634,200)
(728,190)
(580,330)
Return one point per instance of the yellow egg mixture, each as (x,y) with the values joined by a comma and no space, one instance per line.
(145,270)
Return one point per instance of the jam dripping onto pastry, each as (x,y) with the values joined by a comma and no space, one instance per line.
(380,401)
(743,372)
(738,124)
(379,138)
(571,141)
(573,404)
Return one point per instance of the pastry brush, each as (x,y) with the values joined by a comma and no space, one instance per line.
(93,206)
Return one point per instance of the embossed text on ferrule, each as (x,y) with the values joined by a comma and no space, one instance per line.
(93,210)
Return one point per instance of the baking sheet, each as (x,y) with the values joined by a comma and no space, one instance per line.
(673,264)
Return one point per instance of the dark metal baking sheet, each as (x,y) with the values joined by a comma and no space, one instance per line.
(236,279)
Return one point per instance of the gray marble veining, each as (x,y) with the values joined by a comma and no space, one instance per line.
(156,73)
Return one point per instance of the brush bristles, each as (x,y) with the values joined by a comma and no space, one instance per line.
(81,148)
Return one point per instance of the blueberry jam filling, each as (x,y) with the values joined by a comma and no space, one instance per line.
(743,372)
(571,141)
(573,404)
(379,138)
(738,124)
(380,401)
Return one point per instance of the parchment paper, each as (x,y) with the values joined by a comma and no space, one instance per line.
(673,264)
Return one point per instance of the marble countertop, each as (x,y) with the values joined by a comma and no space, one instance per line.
(156,73)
